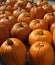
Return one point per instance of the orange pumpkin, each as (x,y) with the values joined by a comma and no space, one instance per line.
(11,2)
(8,22)
(23,3)
(53,6)
(40,35)
(13,52)
(4,13)
(18,11)
(20,30)
(48,8)
(50,18)
(24,17)
(4,34)
(42,2)
(52,28)
(41,53)
(37,12)
(38,24)
(54,38)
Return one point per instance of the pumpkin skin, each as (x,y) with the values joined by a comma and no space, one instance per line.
(50,18)
(8,22)
(4,34)
(4,14)
(41,53)
(54,38)
(15,50)
(42,2)
(47,8)
(18,11)
(20,30)
(37,12)
(24,17)
(52,28)
(38,24)
(40,35)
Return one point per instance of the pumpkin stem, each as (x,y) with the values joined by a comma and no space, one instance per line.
(37,21)
(7,17)
(9,42)
(42,0)
(41,45)
(21,25)
(52,14)
(41,32)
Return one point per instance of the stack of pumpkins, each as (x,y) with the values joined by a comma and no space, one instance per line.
(26,20)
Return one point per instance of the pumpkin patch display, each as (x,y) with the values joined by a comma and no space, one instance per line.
(50,18)
(37,12)
(24,17)
(20,30)
(48,8)
(13,52)
(4,34)
(41,53)
(52,28)
(42,2)
(8,22)
(40,35)
(38,24)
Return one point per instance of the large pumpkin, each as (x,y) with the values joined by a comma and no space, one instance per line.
(50,18)
(41,53)
(38,24)
(20,30)
(8,22)
(13,52)
(40,35)
(4,34)
(54,38)
(37,12)
(24,17)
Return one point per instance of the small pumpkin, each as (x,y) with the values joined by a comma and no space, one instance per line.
(50,18)
(8,22)
(20,30)
(48,8)
(40,35)
(18,11)
(38,24)
(41,53)
(54,38)
(52,28)
(4,34)
(4,13)
(11,2)
(13,52)
(24,17)
(42,2)
(37,12)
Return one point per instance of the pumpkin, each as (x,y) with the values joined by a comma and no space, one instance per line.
(23,3)
(50,18)
(6,7)
(38,24)
(53,6)
(52,28)
(1,4)
(37,12)
(54,38)
(13,51)
(48,8)
(11,2)
(29,5)
(42,2)
(40,35)
(18,11)
(24,17)
(20,30)
(4,34)
(4,13)
(41,53)
(8,22)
